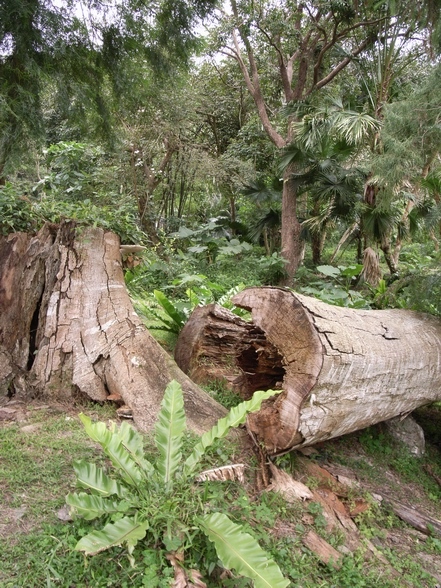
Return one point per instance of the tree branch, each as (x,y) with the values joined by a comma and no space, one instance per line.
(341,65)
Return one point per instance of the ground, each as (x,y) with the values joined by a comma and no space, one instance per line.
(38,443)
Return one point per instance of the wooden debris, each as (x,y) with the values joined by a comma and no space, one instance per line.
(124,412)
(323,550)
(290,489)
(234,472)
(420,521)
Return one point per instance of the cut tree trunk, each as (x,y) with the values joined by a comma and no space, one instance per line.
(68,329)
(340,369)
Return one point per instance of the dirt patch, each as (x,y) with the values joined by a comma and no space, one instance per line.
(13,521)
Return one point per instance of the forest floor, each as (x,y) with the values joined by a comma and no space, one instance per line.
(359,474)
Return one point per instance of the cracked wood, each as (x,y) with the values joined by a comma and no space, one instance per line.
(88,340)
(340,369)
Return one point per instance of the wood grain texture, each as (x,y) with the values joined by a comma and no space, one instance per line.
(87,341)
(340,369)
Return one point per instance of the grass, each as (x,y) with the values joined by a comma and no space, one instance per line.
(38,548)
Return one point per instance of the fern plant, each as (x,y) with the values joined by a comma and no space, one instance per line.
(157,502)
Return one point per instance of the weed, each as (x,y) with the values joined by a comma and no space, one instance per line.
(220,392)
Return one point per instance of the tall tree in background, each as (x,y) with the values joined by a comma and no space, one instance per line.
(79,48)
(288,51)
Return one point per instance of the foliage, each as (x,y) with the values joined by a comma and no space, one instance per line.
(36,473)
(155,501)
(419,290)
(172,315)
(21,212)
(72,170)
(338,291)
(212,240)
(78,58)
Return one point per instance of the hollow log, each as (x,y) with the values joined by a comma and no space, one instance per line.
(340,369)
(68,329)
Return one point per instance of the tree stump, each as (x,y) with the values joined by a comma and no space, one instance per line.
(68,328)
(340,369)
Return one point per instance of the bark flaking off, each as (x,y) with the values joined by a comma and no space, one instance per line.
(89,341)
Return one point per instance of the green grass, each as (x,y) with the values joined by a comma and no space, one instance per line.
(38,549)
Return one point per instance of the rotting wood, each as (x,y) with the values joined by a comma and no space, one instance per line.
(68,329)
(323,550)
(416,519)
(340,369)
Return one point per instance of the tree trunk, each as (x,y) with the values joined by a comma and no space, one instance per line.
(340,369)
(292,244)
(68,329)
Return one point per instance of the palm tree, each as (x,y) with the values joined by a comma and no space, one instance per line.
(328,141)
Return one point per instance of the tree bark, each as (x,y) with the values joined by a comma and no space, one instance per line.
(68,329)
(340,369)
(292,243)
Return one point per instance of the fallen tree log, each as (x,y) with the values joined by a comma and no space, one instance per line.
(340,369)
(68,329)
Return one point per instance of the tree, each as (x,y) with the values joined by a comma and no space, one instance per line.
(82,58)
(289,51)
(68,329)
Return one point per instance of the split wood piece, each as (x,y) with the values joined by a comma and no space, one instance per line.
(284,484)
(68,329)
(323,550)
(418,520)
(341,369)
(216,344)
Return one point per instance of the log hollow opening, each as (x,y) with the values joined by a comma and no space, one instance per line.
(261,366)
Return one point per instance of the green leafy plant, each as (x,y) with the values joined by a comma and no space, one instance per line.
(172,315)
(339,291)
(156,502)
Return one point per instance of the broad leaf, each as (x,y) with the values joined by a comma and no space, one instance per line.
(173,312)
(125,530)
(123,461)
(328,270)
(239,551)
(169,429)
(90,507)
(132,441)
(96,480)
(234,418)
(97,431)
(112,445)
(351,271)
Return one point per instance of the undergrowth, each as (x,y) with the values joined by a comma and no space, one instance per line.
(38,548)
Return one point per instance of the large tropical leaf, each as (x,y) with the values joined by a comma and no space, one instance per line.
(177,316)
(235,417)
(96,480)
(132,441)
(112,445)
(90,507)
(239,551)
(97,431)
(169,429)
(123,462)
(125,530)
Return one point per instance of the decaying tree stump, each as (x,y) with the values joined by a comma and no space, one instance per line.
(68,328)
(340,369)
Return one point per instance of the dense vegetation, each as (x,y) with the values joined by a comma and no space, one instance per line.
(108,119)
(240,143)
